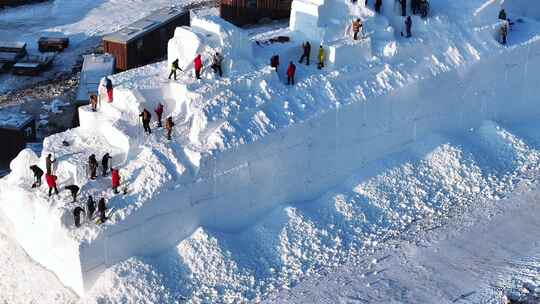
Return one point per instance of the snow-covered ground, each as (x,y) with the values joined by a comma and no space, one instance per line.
(84,22)
(265,185)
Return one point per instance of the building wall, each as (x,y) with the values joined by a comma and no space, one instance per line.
(146,48)
(242,12)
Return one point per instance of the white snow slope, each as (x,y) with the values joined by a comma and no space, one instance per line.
(215,215)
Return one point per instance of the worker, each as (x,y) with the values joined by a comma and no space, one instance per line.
(74,189)
(109,87)
(217,60)
(174,68)
(77,215)
(105,164)
(90,206)
(102,209)
(357,27)
(159,113)
(291,70)
(145,117)
(274,62)
(93,102)
(408,26)
(92,166)
(51,182)
(502,14)
(306,50)
(49,163)
(169,124)
(321,57)
(115,180)
(504,32)
(38,173)
(197,64)
(403,5)
(378,4)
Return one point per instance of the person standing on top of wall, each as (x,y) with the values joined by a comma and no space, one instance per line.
(77,215)
(306,47)
(92,166)
(51,182)
(502,14)
(415,6)
(321,57)
(38,173)
(169,124)
(217,59)
(504,32)
(408,26)
(197,64)
(356,28)
(274,62)
(49,163)
(403,5)
(291,70)
(93,102)
(115,181)
(174,68)
(105,164)
(109,87)
(145,116)
(90,206)
(378,4)
(159,113)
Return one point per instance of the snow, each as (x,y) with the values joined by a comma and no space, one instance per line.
(206,36)
(94,68)
(408,130)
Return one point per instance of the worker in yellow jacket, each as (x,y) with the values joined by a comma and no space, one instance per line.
(321,57)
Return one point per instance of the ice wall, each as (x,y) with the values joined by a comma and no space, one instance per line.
(303,161)
(206,36)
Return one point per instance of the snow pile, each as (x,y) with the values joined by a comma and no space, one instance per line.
(206,36)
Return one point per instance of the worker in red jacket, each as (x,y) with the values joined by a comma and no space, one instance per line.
(197,63)
(159,112)
(115,180)
(290,73)
(51,182)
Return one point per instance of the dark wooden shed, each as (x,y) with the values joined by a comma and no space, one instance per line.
(145,40)
(16,129)
(6,3)
(242,12)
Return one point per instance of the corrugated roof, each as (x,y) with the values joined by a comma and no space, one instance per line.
(145,24)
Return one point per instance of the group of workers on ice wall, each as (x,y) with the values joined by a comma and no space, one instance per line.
(51,180)
(105,92)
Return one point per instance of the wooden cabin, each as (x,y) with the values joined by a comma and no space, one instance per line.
(11,3)
(145,40)
(33,65)
(17,129)
(10,53)
(242,12)
(52,44)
